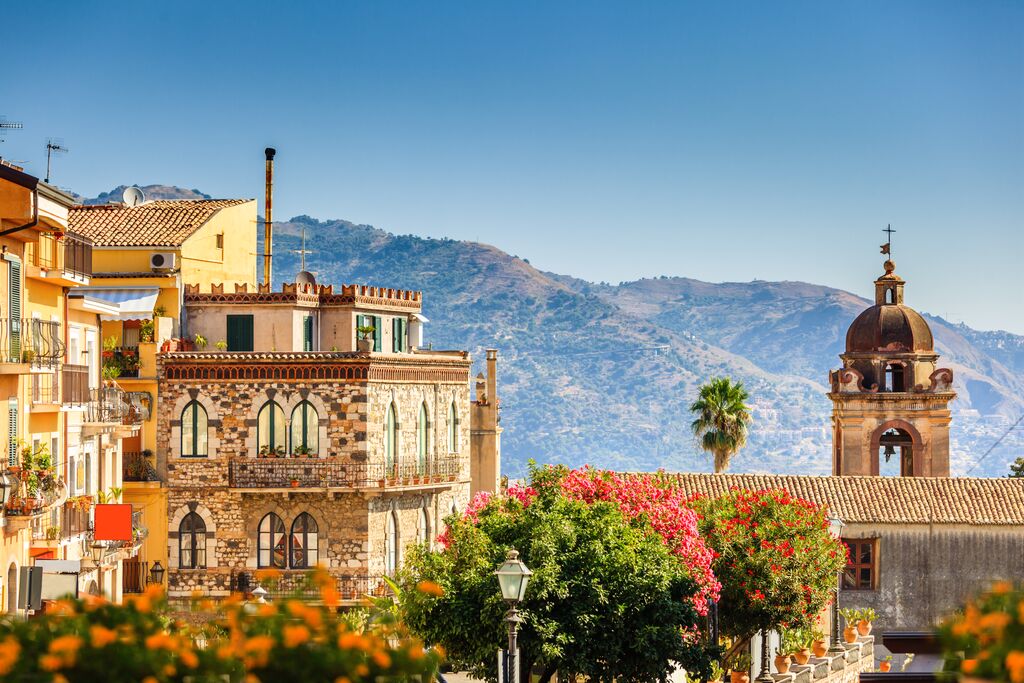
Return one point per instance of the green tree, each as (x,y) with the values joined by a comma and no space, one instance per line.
(775,557)
(722,419)
(1017,469)
(607,598)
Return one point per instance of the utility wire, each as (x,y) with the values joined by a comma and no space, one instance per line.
(993,446)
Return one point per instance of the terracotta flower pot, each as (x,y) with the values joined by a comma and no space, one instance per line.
(850,634)
(782,663)
(864,627)
(819,648)
(295,483)
(739,677)
(802,656)
(884,666)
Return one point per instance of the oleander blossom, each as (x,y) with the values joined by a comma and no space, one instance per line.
(665,509)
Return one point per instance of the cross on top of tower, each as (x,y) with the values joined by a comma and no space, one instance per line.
(303,251)
(887,247)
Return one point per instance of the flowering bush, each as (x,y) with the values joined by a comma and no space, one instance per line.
(986,640)
(94,640)
(608,598)
(775,557)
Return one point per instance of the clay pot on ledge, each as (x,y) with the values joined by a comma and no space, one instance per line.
(364,345)
(739,677)
(802,656)
(864,627)
(782,663)
(819,648)
(295,483)
(884,666)
(850,634)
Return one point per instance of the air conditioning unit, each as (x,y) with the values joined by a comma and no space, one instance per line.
(162,260)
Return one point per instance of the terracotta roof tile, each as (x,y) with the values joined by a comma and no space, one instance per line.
(885,500)
(160,223)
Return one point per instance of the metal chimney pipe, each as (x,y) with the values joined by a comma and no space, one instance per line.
(268,221)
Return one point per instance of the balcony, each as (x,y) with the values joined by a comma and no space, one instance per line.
(297,584)
(45,391)
(287,474)
(137,467)
(74,384)
(110,408)
(65,261)
(33,493)
(31,343)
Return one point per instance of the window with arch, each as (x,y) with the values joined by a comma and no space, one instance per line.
(305,429)
(890,296)
(305,542)
(894,377)
(192,542)
(422,440)
(270,429)
(391,544)
(423,526)
(453,428)
(391,440)
(194,431)
(272,543)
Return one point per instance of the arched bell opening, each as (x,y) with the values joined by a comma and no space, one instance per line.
(895,448)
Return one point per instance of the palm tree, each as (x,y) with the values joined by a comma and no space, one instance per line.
(722,419)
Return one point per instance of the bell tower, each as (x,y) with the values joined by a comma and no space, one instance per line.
(890,401)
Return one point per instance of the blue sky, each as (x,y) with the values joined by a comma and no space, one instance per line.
(611,141)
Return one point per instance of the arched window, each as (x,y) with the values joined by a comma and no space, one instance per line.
(194,431)
(272,544)
(421,441)
(270,430)
(305,429)
(391,441)
(391,544)
(894,377)
(304,542)
(423,527)
(890,296)
(192,542)
(453,428)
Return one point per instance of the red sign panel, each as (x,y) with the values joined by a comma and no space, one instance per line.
(113,522)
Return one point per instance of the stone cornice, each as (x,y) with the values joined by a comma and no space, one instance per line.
(324,296)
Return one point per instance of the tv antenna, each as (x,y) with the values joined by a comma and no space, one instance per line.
(6,125)
(303,251)
(51,147)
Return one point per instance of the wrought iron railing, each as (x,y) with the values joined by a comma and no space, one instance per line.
(31,340)
(137,467)
(45,388)
(136,575)
(317,473)
(297,584)
(75,519)
(71,253)
(75,381)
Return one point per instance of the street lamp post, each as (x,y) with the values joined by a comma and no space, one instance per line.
(513,576)
(766,673)
(156,573)
(835,527)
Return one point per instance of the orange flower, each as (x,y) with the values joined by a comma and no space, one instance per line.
(169,670)
(294,635)
(250,678)
(352,641)
(430,588)
(150,679)
(330,596)
(268,574)
(994,621)
(362,670)
(10,648)
(189,659)
(60,678)
(266,610)
(968,666)
(1002,587)
(50,662)
(1020,611)
(382,659)
(65,644)
(342,679)
(159,641)
(100,636)
(1015,665)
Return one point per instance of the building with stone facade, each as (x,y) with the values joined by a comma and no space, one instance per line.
(293,440)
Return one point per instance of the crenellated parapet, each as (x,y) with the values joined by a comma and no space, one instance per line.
(308,294)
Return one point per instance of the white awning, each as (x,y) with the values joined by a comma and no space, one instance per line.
(133,303)
(421,318)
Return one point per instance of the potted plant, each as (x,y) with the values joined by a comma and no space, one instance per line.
(782,661)
(885,664)
(739,668)
(864,623)
(364,342)
(295,483)
(200,341)
(818,645)
(27,355)
(221,345)
(52,533)
(146,331)
(800,647)
(851,617)
(303,451)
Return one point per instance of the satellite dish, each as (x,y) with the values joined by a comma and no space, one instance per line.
(133,196)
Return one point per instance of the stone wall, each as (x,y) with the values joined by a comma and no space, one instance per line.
(926,572)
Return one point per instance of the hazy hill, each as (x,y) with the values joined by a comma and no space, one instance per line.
(604,374)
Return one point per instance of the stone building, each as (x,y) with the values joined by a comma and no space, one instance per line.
(284,445)
(890,402)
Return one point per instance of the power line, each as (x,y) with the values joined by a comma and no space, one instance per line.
(993,446)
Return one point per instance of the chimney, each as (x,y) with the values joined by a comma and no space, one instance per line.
(268,221)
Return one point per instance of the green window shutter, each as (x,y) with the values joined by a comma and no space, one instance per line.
(396,340)
(240,332)
(400,323)
(307,333)
(12,433)
(378,322)
(14,309)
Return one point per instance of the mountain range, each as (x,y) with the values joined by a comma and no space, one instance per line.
(604,374)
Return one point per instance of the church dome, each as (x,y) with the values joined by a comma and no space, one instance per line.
(889,327)
(305,278)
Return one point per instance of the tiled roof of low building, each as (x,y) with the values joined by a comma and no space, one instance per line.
(159,223)
(883,500)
